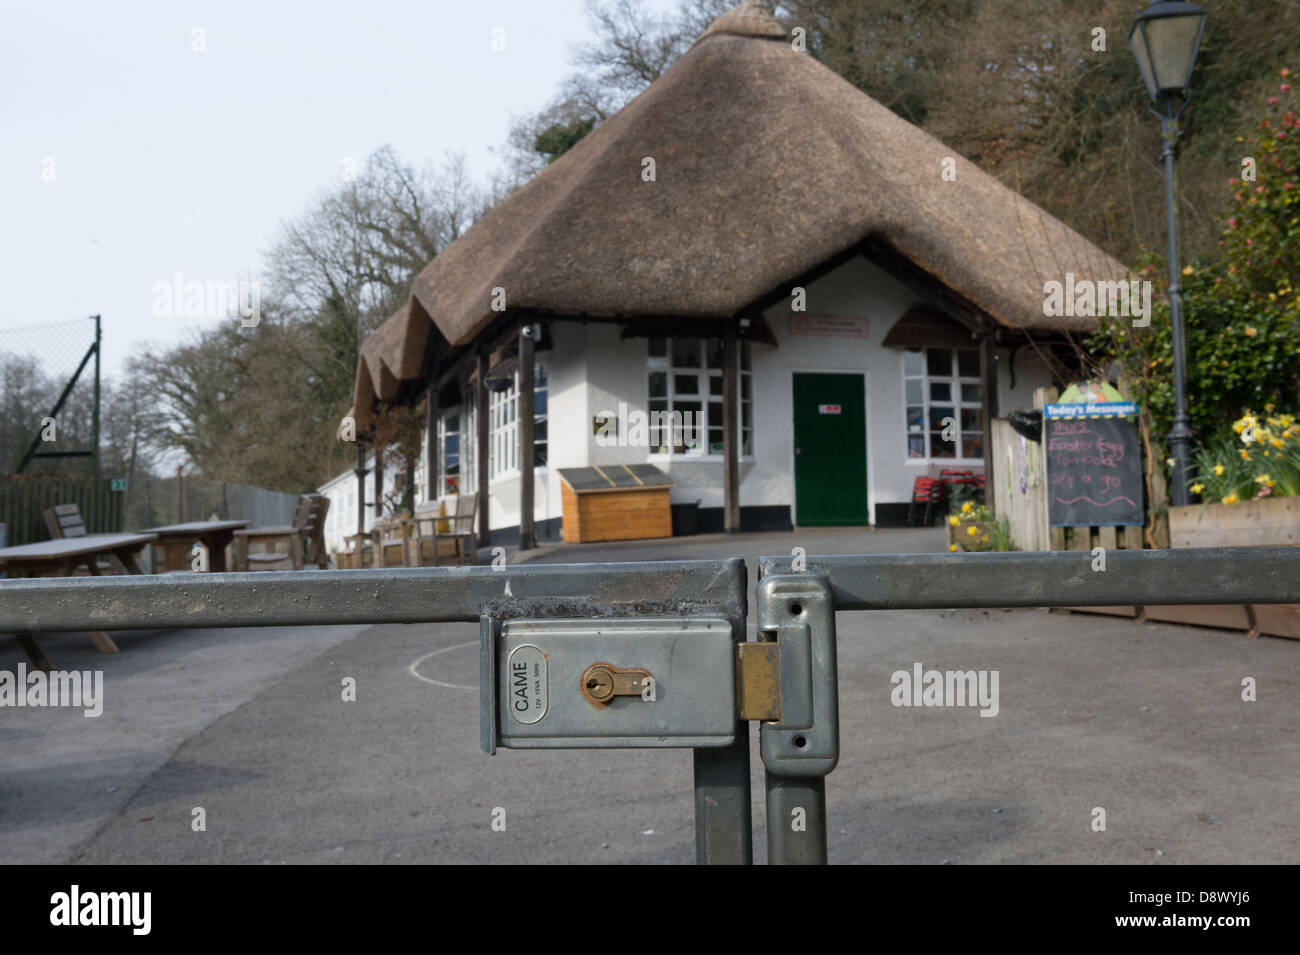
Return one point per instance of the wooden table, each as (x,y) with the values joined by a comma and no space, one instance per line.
(179,539)
(61,558)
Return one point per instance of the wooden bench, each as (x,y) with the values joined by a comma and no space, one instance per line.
(305,538)
(64,522)
(62,558)
(425,544)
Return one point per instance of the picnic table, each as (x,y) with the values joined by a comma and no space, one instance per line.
(179,539)
(61,558)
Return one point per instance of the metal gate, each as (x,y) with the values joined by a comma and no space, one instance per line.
(653,655)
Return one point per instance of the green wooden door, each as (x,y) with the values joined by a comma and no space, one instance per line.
(830,450)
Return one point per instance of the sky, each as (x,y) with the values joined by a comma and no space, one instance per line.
(143,139)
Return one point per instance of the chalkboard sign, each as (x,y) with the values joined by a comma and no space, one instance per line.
(1094,472)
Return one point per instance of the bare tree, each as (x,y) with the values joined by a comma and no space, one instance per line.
(261,405)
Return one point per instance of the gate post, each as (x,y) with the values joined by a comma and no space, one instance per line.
(800,749)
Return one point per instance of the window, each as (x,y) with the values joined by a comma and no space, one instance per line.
(503,425)
(449,469)
(685,377)
(941,383)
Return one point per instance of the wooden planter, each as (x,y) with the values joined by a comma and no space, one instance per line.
(1263,522)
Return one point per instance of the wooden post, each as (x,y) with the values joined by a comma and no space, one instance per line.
(481,446)
(989,388)
(527,532)
(731,430)
(1054,536)
(431,451)
(361,499)
(379,483)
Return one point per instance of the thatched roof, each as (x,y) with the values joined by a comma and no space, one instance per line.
(394,352)
(767,164)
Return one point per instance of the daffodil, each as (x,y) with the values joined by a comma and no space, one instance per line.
(1198,488)
(967,507)
(1218,469)
(1245,455)
(954,520)
(952,547)
(972,530)
(1230,499)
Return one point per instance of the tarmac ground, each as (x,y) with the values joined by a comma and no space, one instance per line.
(1143,721)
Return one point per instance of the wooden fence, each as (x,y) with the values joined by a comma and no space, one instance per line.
(145,502)
(25,497)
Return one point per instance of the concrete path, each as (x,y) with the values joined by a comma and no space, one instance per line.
(1143,721)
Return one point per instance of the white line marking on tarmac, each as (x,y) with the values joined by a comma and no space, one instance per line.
(451,686)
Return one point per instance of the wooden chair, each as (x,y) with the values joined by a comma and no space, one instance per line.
(64,521)
(305,538)
(387,539)
(426,548)
(360,552)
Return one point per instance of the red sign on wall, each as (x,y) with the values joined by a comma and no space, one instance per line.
(828,409)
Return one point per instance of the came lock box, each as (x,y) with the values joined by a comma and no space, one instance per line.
(596,683)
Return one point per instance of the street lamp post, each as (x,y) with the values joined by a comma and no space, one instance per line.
(1165,38)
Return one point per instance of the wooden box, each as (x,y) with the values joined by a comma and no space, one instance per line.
(1263,522)
(615,502)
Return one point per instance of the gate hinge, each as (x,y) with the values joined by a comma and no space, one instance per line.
(787,680)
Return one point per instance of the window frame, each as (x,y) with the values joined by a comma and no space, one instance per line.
(503,427)
(955,380)
(703,396)
(440,486)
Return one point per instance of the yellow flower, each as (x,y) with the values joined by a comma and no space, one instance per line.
(985,538)
(952,547)
(1250,332)
(1198,488)
(1277,442)
(1187,270)
(967,507)
(1230,499)
(972,530)
(1245,455)
(1218,469)
(954,520)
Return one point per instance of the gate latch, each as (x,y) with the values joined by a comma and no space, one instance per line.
(569,683)
(788,678)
